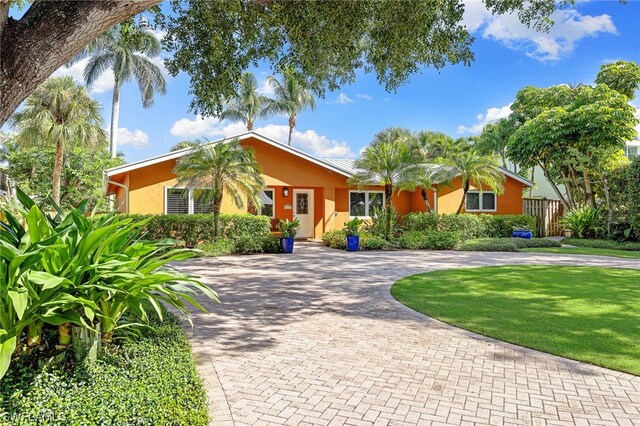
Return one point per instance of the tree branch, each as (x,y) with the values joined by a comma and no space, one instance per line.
(47,37)
(4,16)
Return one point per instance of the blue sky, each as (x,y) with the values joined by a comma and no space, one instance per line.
(457,100)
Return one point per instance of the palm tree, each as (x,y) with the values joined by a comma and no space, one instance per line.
(390,162)
(248,105)
(476,169)
(126,50)
(218,169)
(184,144)
(292,96)
(59,113)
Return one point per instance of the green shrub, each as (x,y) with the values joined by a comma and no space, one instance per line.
(193,229)
(151,379)
(221,247)
(604,244)
(503,225)
(384,223)
(467,225)
(370,241)
(584,222)
(633,196)
(488,244)
(534,242)
(421,222)
(436,240)
(336,239)
(247,244)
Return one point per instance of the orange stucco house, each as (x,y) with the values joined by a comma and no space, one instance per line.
(297,184)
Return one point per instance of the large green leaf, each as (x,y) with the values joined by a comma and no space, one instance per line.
(6,350)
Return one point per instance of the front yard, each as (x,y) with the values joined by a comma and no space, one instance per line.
(589,314)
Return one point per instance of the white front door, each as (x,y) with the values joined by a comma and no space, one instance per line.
(303,211)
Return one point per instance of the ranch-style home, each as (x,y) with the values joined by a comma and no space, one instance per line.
(314,190)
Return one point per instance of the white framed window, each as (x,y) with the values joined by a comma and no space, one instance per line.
(268,203)
(362,203)
(187,201)
(481,201)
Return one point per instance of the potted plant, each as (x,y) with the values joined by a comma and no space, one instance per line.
(288,231)
(351,229)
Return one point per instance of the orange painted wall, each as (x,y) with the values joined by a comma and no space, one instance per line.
(510,202)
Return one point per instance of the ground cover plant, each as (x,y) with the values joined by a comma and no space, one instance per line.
(584,313)
(505,244)
(629,254)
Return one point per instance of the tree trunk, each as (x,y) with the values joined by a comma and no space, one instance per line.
(464,196)
(47,36)
(292,124)
(607,199)
(588,189)
(115,118)
(564,201)
(388,192)
(425,197)
(249,125)
(533,174)
(217,205)
(57,172)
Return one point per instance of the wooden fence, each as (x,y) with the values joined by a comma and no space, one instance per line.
(547,213)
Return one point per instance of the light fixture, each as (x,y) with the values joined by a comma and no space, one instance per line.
(285,191)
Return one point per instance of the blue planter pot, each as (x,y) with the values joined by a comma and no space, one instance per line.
(286,245)
(522,233)
(353,242)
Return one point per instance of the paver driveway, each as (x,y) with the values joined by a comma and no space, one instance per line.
(316,338)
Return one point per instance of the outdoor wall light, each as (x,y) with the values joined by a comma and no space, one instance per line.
(285,191)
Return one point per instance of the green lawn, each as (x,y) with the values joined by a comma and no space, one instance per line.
(585,313)
(586,250)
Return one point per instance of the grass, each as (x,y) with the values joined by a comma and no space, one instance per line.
(585,313)
(586,250)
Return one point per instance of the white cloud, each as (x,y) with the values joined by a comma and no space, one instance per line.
(136,138)
(570,26)
(265,88)
(342,99)
(365,97)
(492,114)
(309,140)
(105,82)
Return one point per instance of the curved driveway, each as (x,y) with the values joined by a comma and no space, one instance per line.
(316,338)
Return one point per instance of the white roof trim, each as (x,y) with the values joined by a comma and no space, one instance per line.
(514,176)
(186,151)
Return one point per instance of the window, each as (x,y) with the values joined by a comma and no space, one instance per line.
(188,201)
(268,203)
(481,201)
(632,151)
(177,201)
(362,203)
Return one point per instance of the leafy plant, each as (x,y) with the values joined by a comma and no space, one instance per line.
(584,222)
(436,240)
(384,222)
(352,227)
(288,228)
(335,239)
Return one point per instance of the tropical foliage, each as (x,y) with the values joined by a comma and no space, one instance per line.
(288,228)
(292,96)
(216,170)
(248,105)
(72,269)
(127,50)
(59,114)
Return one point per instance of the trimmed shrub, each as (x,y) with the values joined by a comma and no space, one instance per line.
(192,229)
(467,225)
(149,379)
(437,240)
(421,222)
(489,244)
(221,247)
(247,244)
(336,239)
(372,242)
(534,242)
(604,244)
(503,225)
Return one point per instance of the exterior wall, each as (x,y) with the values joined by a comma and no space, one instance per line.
(510,202)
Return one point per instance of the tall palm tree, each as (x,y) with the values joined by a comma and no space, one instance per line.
(126,50)
(249,104)
(292,95)
(390,162)
(476,169)
(222,168)
(60,113)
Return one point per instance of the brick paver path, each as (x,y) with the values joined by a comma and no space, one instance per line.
(316,338)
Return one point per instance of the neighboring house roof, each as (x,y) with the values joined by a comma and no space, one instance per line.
(186,151)
(343,166)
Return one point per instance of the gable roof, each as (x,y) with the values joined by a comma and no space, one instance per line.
(186,151)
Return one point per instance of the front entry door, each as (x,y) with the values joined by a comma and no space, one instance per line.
(303,211)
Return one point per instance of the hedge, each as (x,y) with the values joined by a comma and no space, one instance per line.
(505,244)
(604,244)
(148,378)
(193,229)
(469,225)
(435,240)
